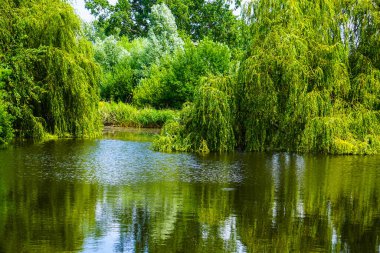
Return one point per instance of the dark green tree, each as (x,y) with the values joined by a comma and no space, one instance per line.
(198,19)
(115,19)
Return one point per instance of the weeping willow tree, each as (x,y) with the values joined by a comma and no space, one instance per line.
(52,87)
(206,124)
(300,89)
(309,81)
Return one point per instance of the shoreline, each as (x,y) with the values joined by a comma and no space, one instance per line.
(137,130)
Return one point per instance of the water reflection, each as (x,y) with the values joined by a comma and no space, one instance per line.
(119,196)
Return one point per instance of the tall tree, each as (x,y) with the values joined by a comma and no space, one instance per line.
(52,87)
(198,19)
(297,85)
(363,24)
(309,81)
(115,19)
(163,35)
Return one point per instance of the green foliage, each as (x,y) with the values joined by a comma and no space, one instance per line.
(125,115)
(125,63)
(108,53)
(212,19)
(163,36)
(118,84)
(292,66)
(155,90)
(114,19)
(198,19)
(53,85)
(309,82)
(171,138)
(6,130)
(174,80)
(139,59)
(117,81)
(297,83)
(210,120)
(206,124)
(364,42)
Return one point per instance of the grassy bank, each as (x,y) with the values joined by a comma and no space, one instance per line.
(125,115)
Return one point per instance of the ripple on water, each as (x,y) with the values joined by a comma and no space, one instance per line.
(117,162)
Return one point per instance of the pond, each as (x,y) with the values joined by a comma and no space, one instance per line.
(115,194)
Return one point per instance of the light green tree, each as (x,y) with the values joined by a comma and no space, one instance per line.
(309,81)
(53,85)
(163,35)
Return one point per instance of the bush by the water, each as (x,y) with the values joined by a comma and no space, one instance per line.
(125,115)
(206,124)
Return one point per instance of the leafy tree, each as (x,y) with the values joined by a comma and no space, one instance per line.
(53,85)
(363,38)
(163,36)
(116,83)
(111,19)
(108,53)
(298,82)
(212,19)
(174,80)
(310,79)
(125,18)
(198,19)
(125,63)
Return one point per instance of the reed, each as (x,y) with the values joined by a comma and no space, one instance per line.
(126,115)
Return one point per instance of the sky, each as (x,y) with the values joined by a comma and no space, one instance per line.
(83,13)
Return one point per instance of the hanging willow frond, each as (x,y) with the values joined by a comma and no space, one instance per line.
(53,86)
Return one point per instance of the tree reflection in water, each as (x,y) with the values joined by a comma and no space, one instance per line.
(117,196)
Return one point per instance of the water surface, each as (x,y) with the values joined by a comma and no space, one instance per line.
(117,195)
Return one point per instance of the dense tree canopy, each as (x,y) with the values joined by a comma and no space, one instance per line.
(173,81)
(51,85)
(198,19)
(125,62)
(298,81)
(309,81)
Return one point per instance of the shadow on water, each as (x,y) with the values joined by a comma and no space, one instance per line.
(117,195)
